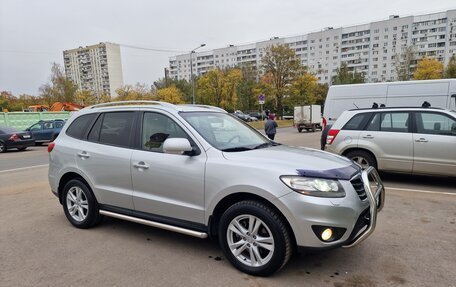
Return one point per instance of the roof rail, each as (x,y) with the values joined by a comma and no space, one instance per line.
(206,106)
(119,103)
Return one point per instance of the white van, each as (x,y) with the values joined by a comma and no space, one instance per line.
(439,93)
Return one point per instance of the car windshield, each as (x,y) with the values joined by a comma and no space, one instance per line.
(225,132)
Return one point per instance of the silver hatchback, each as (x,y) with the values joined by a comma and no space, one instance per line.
(408,140)
(199,171)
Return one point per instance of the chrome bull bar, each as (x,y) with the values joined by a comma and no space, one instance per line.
(376,200)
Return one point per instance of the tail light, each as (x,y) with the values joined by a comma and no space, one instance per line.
(331,136)
(14,138)
(324,122)
(51,146)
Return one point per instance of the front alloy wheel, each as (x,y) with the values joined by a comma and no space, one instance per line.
(250,240)
(255,238)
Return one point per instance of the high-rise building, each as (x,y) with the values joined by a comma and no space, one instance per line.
(96,68)
(373,49)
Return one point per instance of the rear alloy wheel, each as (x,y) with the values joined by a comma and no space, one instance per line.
(79,205)
(364,159)
(254,238)
(2,147)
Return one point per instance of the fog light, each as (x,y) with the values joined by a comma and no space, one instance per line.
(326,234)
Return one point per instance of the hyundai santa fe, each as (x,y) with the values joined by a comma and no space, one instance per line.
(200,171)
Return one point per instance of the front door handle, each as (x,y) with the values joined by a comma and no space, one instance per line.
(83,154)
(368,137)
(141,164)
(421,140)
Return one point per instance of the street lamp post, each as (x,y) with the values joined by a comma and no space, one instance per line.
(191,71)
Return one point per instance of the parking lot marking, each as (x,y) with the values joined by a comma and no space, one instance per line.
(23,168)
(421,191)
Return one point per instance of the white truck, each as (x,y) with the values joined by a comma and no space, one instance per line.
(439,93)
(307,117)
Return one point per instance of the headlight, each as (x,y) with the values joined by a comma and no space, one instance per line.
(314,186)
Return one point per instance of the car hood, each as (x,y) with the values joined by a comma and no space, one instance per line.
(297,160)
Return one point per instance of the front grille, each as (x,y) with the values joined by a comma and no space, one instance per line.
(358,185)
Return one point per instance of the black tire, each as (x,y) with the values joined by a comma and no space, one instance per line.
(271,225)
(88,218)
(299,129)
(314,128)
(363,158)
(2,147)
(22,148)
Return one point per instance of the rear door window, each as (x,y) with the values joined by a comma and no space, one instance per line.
(116,128)
(389,122)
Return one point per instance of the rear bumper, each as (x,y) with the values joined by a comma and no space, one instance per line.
(20,144)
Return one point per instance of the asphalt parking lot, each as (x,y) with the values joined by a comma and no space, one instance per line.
(413,245)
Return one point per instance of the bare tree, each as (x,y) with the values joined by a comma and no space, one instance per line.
(404,63)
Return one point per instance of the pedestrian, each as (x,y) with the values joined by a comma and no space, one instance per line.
(270,127)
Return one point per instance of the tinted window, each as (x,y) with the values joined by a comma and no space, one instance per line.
(156,129)
(433,123)
(116,128)
(48,125)
(36,127)
(59,124)
(389,122)
(94,133)
(358,122)
(79,126)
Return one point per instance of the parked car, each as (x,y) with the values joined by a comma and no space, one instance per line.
(46,131)
(258,116)
(410,140)
(14,138)
(197,170)
(242,116)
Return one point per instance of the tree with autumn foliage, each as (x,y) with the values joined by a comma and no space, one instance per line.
(303,90)
(219,88)
(59,88)
(450,70)
(134,93)
(428,69)
(282,64)
(344,76)
(171,95)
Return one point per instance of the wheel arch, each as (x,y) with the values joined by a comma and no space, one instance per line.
(233,198)
(345,152)
(66,178)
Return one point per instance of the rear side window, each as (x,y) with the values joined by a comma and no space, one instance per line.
(58,124)
(116,128)
(389,122)
(358,122)
(79,126)
(436,124)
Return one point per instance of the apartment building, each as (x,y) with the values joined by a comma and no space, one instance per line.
(97,68)
(372,49)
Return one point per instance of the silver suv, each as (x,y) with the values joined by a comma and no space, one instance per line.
(409,140)
(199,171)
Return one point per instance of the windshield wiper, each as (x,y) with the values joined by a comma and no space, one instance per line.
(263,145)
(239,148)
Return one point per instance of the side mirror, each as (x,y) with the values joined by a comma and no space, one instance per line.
(177,146)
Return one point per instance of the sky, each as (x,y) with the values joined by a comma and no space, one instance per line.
(34,33)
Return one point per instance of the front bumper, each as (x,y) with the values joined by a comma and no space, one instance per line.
(354,214)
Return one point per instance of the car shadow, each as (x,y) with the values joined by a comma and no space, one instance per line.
(426,181)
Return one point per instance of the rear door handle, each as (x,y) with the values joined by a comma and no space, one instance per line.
(83,154)
(141,164)
(368,137)
(421,140)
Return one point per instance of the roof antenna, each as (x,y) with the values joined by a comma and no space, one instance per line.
(426,104)
(355,106)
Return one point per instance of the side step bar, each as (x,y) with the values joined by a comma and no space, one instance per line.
(155,224)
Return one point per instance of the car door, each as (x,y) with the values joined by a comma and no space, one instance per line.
(48,130)
(105,158)
(167,185)
(37,131)
(388,135)
(434,143)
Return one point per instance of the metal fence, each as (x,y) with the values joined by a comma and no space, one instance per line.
(23,120)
